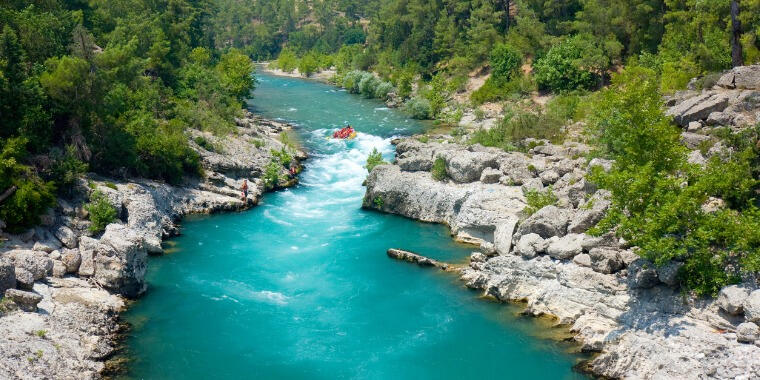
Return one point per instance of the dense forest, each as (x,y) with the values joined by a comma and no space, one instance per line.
(111,87)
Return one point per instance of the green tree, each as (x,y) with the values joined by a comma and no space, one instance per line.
(236,73)
(505,63)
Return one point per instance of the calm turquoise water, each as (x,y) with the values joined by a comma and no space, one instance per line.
(300,287)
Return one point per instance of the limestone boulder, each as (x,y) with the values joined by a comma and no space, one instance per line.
(743,77)
(642,274)
(604,260)
(502,236)
(731,299)
(490,175)
(121,260)
(549,177)
(416,163)
(530,245)
(747,332)
(7,275)
(565,247)
(751,306)
(36,263)
(87,248)
(606,165)
(24,278)
(72,260)
(584,260)
(59,269)
(693,140)
(546,222)
(591,212)
(464,166)
(668,273)
(26,301)
(532,184)
(478,257)
(67,236)
(698,108)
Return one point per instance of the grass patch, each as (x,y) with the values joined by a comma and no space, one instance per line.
(375,158)
(439,169)
(538,200)
(102,213)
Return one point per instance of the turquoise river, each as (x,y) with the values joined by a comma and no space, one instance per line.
(300,287)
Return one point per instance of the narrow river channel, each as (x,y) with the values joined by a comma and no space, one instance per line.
(300,286)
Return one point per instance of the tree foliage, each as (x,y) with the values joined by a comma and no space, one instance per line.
(659,199)
(110,87)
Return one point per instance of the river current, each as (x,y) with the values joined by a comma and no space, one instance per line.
(300,287)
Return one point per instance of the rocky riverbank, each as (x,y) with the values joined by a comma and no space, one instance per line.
(619,306)
(65,287)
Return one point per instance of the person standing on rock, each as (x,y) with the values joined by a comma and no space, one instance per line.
(244,190)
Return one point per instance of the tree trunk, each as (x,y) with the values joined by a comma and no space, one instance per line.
(737,58)
(7,193)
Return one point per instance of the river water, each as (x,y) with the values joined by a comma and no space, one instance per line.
(300,287)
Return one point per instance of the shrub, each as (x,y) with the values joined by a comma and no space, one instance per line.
(163,150)
(102,213)
(32,195)
(505,63)
(375,158)
(204,143)
(560,69)
(383,89)
(676,75)
(516,127)
(404,83)
(493,90)
(538,200)
(378,201)
(658,197)
(287,61)
(272,173)
(439,169)
(351,81)
(418,107)
(283,156)
(367,85)
(66,169)
(308,65)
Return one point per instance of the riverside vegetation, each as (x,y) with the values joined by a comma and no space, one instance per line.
(140,89)
(422,54)
(111,88)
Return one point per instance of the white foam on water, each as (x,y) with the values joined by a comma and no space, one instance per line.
(242,290)
(268,215)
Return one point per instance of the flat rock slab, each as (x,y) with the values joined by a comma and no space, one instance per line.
(400,254)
